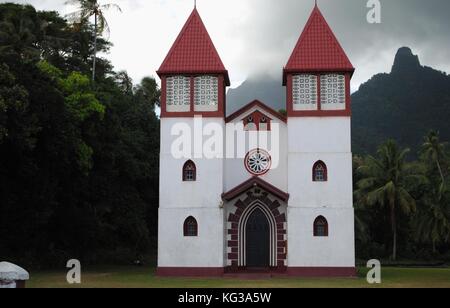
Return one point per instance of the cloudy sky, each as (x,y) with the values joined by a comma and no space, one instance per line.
(256,37)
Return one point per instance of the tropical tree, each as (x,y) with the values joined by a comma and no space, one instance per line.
(384,182)
(13,101)
(88,9)
(18,34)
(433,150)
(148,91)
(432,222)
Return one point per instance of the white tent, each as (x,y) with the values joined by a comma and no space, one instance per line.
(11,273)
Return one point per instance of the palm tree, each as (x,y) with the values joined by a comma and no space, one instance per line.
(17,36)
(433,150)
(87,9)
(384,183)
(149,90)
(433,220)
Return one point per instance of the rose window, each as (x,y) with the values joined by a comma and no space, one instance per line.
(258,162)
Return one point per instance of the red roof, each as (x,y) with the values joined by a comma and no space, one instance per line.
(255,182)
(318,49)
(193,51)
(259,104)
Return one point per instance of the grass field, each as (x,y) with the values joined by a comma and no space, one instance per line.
(142,277)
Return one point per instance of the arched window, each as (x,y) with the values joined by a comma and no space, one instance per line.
(190,227)
(320,173)
(321,227)
(189,172)
(249,124)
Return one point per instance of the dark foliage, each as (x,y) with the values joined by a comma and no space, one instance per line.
(78,162)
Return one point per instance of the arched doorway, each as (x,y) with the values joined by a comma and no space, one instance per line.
(258,240)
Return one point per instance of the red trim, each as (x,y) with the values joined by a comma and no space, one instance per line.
(316,71)
(195,73)
(318,113)
(221,88)
(321,113)
(239,272)
(348,95)
(252,182)
(259,104)
(248,167)
(192,98)
(257,117)
(321,271)
(319,97)
(163,95)
(349,272)
(271,208)
(220,113)
(190,271)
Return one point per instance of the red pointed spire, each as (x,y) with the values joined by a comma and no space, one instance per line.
(193,51)
(318,49)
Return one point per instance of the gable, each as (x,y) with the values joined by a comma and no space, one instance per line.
(259,108)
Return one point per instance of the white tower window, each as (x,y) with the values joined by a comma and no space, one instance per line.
(178,94)
(304,92)
(332,92)
(206,93)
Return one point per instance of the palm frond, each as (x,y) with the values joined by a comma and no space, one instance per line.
(111,6)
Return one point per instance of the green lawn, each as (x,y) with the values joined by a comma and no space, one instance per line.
(132,277)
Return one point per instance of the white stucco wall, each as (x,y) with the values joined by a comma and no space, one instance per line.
(310,140)
(326,139)
(206,250)
(336,250)
(235,171)
(303,141)
(319,135)
(206,191)
(179,200)
(336,192)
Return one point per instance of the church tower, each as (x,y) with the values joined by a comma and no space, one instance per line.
(191,219)
(320,212)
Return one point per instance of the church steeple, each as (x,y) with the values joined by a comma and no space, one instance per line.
(318,72)
(193,75)
(318,48)
(193,51)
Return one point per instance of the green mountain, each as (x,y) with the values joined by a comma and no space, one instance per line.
(403,105)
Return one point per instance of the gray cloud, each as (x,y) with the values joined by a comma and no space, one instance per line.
(274,28)
(256,37)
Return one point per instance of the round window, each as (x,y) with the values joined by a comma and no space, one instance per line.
(258,162)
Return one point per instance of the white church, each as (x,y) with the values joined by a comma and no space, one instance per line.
(242,215)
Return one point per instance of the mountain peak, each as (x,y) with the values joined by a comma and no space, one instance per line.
(405,61)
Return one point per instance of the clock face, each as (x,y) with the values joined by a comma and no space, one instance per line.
(258,162)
